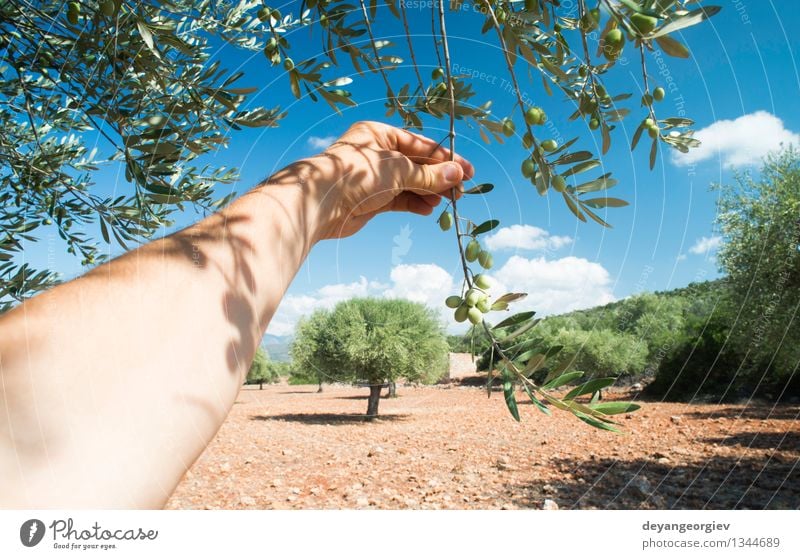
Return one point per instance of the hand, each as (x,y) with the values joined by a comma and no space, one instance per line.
(375,168)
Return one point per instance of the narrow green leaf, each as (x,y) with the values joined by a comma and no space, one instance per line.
(672,47)
(511,400)
(535,400)
(590,387)
(480,189)
(614,408)
(581,168)
(485,227)
(516,319)
(682,22)
(566,378)
(595,422)
(604,203)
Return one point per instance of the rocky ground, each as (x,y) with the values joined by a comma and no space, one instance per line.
(452,448)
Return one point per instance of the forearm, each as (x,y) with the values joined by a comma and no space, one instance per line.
(127,372)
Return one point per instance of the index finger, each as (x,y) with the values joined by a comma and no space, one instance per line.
(421,149)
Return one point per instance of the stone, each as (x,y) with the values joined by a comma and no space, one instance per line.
(550,504)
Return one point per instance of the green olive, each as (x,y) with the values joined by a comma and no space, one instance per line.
(559,183)
(454,301)
(264,13)
(594,124)
(549,145)
(485,259)
(653,132)
(472,297)
(276,14)
(508,127)
(527,140)
(483,281)
(483,306)
(475,315)
(535,115)
(659,94)
(437,73)
(108,8)
(644,24)
(528,168)
(445,221)
(472,250)
(613,42)
(73,12)
(648,123)
(288,64)
(461,313)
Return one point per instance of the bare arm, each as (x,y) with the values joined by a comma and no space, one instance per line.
(112,385)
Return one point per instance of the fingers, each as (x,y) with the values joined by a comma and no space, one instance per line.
(414,203)
(432,179)
(420,149)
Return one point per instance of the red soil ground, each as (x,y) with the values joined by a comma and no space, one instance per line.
(452,448)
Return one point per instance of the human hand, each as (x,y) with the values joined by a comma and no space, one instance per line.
(375,168)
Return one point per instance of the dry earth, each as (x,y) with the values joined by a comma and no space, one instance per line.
(450,447)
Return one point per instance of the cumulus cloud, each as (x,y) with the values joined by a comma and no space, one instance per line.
(740,142)
(293,307)
(422,283)
(320,142)
(525,237)
(555,286)
(704,245)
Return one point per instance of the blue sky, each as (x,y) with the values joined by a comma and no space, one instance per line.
(741,88)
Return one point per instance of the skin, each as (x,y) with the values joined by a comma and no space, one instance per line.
(111,385)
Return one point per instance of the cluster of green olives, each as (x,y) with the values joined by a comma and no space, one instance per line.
(475,302)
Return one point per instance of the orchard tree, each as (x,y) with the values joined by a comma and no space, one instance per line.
(375,342)
(759,219)
(260,371)
(306,358)
(136,79)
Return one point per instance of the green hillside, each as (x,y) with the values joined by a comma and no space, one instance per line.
(681,344)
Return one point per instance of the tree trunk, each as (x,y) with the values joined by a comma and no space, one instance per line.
(392,390)
(320,387)
(374,400)
(261,386)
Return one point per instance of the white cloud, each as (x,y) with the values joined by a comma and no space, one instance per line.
(525,237)
(704,245)
(555,286)
(293,307)
(320,142)
(423,283)
(740,142)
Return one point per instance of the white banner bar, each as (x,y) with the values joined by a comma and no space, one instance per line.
(399,534)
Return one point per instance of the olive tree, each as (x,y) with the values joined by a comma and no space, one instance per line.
(374,342)
(759,218)
(260,370)
(137,79)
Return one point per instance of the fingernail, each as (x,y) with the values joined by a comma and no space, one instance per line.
(451,173)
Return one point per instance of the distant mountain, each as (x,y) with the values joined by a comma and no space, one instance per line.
(277,347)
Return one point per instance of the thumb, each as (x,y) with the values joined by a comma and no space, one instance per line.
(434,178)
